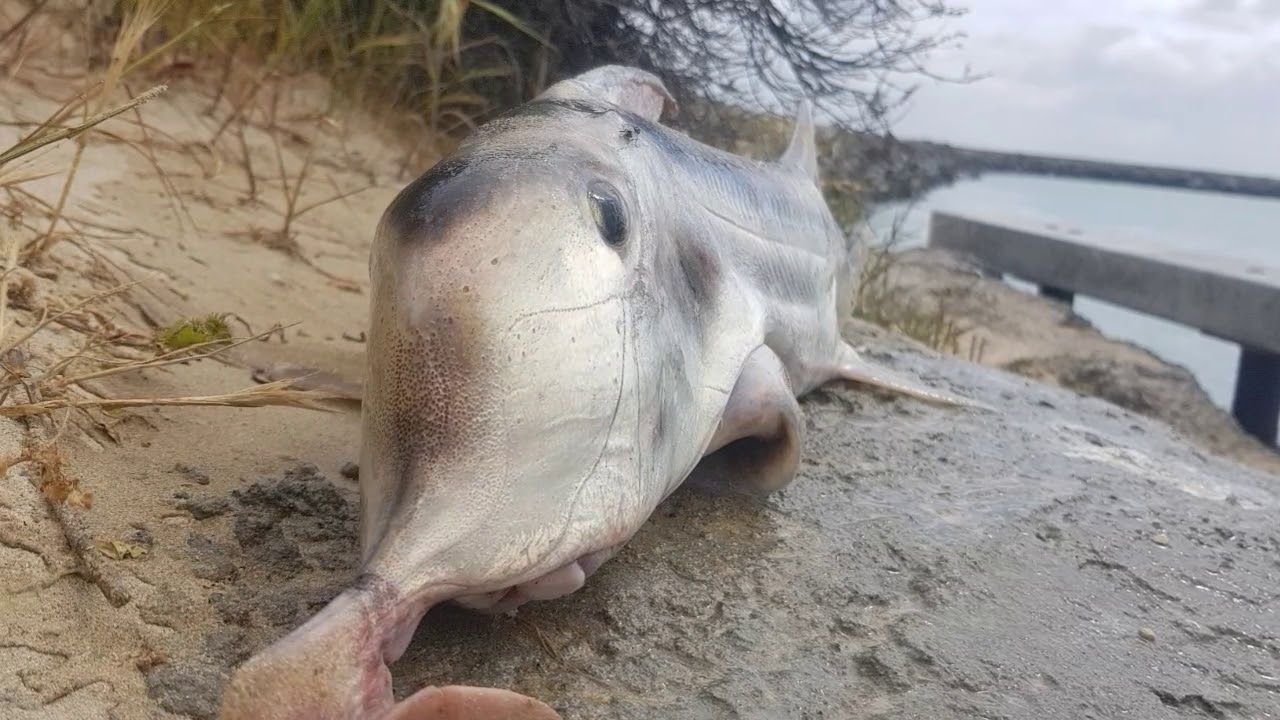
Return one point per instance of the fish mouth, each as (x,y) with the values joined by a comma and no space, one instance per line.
(566,579)
(335,665)
(332,667)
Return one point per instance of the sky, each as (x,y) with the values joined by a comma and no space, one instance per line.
(1192,83)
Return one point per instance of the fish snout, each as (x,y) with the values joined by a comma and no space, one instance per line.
(330,668)
(334,667)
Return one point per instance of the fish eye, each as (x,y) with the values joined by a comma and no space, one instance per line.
(606,208)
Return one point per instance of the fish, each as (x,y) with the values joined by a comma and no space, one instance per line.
(569,314)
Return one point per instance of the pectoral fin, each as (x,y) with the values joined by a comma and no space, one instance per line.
(758,441)
(853,367)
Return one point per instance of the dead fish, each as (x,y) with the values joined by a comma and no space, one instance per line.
(569,314)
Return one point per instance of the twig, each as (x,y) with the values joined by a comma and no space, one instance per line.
(64,362)
(147,150)
(291,195)
(79,538)
(180,355)
(268,395)
(74,527)
(21,149)
(45,318)
(340,195)
(31,13)
(10,263)
(248,165)
(239,107)
(64,110)
(542,638)
(42,245)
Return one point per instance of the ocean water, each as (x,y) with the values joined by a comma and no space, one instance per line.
(1226,225)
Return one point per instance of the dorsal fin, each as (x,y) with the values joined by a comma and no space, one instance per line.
(630,88)
(802,153)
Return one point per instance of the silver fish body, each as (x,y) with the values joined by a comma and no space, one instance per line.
(569,314)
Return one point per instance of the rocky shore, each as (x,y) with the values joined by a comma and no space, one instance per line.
(882,168)
(1002,327)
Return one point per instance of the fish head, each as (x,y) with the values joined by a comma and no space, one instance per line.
(503,426)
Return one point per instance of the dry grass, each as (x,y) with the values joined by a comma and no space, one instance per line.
(283,34)
(414,55)
(928,320)
(283,238)
(277,394)
(44,135)
(55,347)
(441,59)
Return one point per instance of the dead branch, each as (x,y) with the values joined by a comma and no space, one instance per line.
(76,530)
(74,527)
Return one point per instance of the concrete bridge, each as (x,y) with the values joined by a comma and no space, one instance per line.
(1235,301)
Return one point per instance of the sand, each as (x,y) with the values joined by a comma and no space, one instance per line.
(200,238)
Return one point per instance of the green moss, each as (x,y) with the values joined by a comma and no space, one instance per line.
(194,331)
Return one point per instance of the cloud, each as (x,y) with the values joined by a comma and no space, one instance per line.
(1137,80)
(1236,15)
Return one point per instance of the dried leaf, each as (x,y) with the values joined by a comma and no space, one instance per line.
(118,550)
(54,482)
(149,658)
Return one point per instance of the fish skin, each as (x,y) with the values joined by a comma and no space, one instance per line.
(533,390)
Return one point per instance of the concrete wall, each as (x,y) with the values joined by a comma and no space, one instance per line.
(1225,298)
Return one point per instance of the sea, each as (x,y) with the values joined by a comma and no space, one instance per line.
(1227,225)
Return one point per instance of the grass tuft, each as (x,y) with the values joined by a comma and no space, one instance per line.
(929,320)
(194,331)
(450,62)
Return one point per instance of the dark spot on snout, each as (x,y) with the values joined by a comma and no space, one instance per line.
(436,198)
(458,187)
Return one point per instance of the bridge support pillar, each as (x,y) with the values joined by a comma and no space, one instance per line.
(1058,294)
(1257,400)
